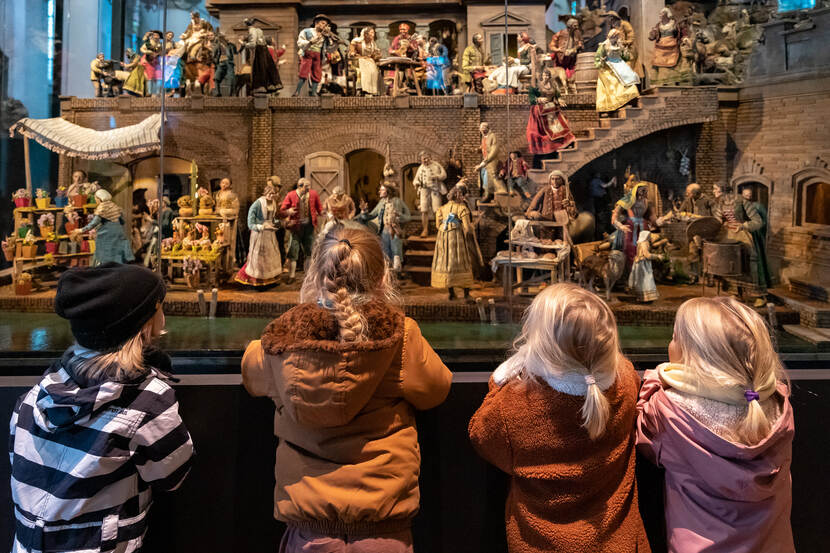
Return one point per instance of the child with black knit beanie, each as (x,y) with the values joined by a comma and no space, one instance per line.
(101,430)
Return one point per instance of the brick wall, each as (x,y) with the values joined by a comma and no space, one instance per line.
(780,132)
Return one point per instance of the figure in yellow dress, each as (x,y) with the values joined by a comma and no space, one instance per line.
(616,82)
(456,248)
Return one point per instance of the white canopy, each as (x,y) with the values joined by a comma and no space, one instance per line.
(68,139)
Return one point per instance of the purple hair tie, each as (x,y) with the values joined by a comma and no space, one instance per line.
(751,395)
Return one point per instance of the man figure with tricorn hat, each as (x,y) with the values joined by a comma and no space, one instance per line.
(311,44)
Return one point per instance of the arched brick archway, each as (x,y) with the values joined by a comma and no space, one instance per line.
(404,142)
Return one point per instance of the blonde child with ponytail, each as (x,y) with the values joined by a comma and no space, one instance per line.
(346,370)
(559,419)
(718,419)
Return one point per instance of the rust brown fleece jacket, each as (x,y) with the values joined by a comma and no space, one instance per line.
(348,457)
(567,492)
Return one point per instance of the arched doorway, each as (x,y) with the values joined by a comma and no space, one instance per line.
(409,195)
(176,177)
(446,32)
(365,173)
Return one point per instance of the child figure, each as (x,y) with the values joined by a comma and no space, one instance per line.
(718,419)
(641,279)
(101,432)
(558,419)
(346,370)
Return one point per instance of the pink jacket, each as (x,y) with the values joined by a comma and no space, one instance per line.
(720,496)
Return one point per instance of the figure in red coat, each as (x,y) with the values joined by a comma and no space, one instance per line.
(300,207)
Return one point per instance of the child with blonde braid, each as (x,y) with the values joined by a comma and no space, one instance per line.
(717,417)
(346,370)
(559,419)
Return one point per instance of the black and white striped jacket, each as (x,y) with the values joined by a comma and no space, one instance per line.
(85,459)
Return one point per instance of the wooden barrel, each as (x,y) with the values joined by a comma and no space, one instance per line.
(585,74)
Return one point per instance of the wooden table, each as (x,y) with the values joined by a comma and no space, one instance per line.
(402,68)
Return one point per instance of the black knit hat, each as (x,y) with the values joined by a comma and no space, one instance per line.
(109,304)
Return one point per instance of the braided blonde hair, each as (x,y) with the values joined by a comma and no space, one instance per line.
(347,269)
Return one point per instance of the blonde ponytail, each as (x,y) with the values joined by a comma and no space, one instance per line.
(726,344)
(569,334)
(596,410)
(755,426)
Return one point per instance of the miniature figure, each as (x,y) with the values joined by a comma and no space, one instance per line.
(740,218)
(151,50)
(489,166)
(403,44)
(339,208)
(301,206)
(548,130)
(565,45)
(365,53)
(173,63)
(616,82)
(196,30)
(226,199)
(111,242)
(136,83)
(80,188)
(437,64)
(389,216)
(641,279)
(527,48)
(598,190)
(666,36)
(473,62)
(763,275)
(224,53)
(311,43)
(553,203)
(429,185)
(627,38)
(515,172)
(264,263)
(639,217)
(456,249)
(264,74)
(454,168)
(97,74)
(504,79)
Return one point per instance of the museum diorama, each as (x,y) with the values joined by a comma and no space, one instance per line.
(648,152)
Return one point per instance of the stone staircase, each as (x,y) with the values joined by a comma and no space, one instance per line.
(810,301)
(645,115)
(417,255)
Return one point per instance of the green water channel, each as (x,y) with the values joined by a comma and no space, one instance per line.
(45,332)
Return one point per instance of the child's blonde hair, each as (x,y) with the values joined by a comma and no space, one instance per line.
(120,364)
(724,342)
(570,330)
(348,268)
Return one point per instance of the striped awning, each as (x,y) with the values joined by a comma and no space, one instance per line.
(68,139)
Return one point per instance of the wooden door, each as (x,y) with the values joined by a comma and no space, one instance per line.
(326,171)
